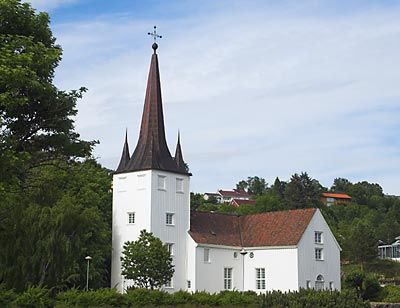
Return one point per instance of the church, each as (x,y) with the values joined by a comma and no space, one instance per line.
(285,250)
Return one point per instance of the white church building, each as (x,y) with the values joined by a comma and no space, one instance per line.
(285,250)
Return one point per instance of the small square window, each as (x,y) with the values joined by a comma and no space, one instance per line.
(131,218)
(318,237)
(170,248)
(331,287)
(206,255)
(179,185)
(308,284)
(161,182)
(169,218)
(318,254)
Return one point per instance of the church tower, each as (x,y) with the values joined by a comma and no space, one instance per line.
(151,190)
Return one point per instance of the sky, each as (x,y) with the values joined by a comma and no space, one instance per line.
(256,88)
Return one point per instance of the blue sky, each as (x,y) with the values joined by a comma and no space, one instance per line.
(265,88)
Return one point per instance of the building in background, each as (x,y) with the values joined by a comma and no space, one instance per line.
(329,199)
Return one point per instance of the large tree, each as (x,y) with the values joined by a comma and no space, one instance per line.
(147,262)
(254,185)
(36,118)
(302,191)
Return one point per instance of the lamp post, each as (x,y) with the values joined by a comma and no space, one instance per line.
(243,252)
(88,258)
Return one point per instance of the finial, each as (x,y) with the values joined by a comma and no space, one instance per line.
(155,37)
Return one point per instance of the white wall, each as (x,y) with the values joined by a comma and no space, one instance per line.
(138,192)
(309,268)
(210,275)
(280,265)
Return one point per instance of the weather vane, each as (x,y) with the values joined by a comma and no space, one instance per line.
(154,34)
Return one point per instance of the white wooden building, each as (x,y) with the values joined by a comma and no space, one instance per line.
(284,251)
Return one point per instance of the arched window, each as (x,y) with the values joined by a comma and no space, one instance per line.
(319,283)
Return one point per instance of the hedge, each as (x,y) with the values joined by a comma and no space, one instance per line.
(40,297)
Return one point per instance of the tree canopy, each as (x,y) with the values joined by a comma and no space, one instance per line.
(147,262)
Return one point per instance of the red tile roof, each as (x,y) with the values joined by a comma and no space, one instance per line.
(284,228)
(336,196)
(242,202)
(234,193)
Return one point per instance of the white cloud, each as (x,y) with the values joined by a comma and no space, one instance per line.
(254,92)
(47,5)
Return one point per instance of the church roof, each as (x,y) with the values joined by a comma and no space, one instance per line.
(283,228)
(152,151)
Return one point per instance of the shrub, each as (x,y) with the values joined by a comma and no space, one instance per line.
(106,297)
(34,297)
(237,298)
(7,296)
(391,294)
(141,297)
(204,298)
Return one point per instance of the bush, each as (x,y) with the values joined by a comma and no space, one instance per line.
(7,296)
(366,285)
(34,297)
(141,297)
(100,297)
(237,298)
(391,294)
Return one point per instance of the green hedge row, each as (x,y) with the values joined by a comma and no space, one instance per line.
(40,297)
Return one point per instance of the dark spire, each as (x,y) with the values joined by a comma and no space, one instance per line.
(125,155)
(151,150)
(180,163)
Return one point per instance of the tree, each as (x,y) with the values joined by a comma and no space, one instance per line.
(279,188)
(360,242)
(341,185)
(147,262)
(302,192)
(366,285)
(254,185)
(36,124)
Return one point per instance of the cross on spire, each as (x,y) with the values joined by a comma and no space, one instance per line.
(154,34)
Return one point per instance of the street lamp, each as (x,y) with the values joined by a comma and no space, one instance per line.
(243,252)
(88,258)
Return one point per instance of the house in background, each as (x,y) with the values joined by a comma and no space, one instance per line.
(226,196)
(329,199)
(391,252)
(240,202)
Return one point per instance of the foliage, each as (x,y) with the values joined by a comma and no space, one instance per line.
(391,294)
(7,296)
(100,297)
(302,192)
(254,185)
(34,297)
(147,261)
(50,226)
(366,285)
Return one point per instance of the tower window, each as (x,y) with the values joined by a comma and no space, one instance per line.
(170,248)
(161,182)
(179,185)
(131,218)
(206,256)
(318,254)
(140,181)
(169,218)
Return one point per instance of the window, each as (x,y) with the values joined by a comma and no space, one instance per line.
(308,284)
(179,185)
(169,218)
(228,278)
(140,181)
(331,286)
(121,184)
(318,254)
(161,182)
(189,284)
(235,254)
(169,284)
(319,283)
(260,278)
(206,255)
(170,248)
(131,218)
(318,237)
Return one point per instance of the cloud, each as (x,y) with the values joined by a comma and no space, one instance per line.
(47,5)
(254,90)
